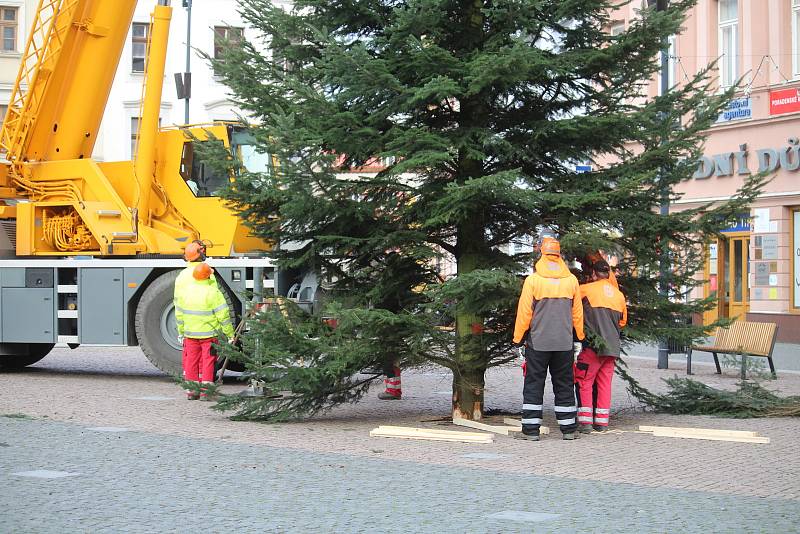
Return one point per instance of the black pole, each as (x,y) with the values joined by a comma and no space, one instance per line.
(664,266)
(188,5)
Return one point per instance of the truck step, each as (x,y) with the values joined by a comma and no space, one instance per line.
(109,213)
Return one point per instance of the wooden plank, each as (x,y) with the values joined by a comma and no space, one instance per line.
(416,430)
(425,434)
(483,426)
(517,424)
(704,431)
(712,437)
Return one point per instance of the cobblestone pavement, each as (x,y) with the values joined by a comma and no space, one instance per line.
(327,474)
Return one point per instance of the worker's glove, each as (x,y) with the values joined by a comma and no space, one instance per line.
(519,348)
(231,341)
(180,340)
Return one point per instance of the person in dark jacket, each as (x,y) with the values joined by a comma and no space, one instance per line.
(549,309)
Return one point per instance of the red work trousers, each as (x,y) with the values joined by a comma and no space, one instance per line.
(198,361)
(591,370)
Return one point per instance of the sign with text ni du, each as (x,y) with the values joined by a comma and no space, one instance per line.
(784,101)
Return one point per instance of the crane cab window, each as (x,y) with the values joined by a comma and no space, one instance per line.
(8,28)
(202,179)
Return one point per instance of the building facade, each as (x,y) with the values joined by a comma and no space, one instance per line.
(16,19)
(212,21)
(754,271)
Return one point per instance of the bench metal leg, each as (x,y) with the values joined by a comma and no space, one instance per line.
(772,367)
(716,362)
(744,367)
(689,361)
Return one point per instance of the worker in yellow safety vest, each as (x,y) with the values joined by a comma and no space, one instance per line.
(201,314)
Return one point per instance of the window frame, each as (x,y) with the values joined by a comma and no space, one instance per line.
(222,34)
(794,250)
(723,26)
(9,24)
(139,40)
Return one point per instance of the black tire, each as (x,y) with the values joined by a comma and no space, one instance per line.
(28,354)
(155,324)
(154,307)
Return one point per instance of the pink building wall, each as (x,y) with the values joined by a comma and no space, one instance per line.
(765,64)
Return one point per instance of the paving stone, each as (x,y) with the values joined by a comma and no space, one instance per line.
(529,517)
(108,429)
(44,473)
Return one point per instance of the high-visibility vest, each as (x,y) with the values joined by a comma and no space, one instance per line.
(186,275)
(201,310)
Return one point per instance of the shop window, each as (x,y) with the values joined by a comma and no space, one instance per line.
(617,28)
(728,42)
(140,33)
(8,28)
(672,56)
(796,259)
(224,37)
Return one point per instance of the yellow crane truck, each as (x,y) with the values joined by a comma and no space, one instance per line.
(89,250)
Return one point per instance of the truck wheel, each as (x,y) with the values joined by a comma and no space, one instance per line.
(155,325)
(23,354)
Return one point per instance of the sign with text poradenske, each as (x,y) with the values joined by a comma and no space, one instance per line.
(784,101)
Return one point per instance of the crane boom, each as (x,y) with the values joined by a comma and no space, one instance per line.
(64,80)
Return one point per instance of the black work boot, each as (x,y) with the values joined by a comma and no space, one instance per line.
(516,434)
(598,428)
(570,435)
(585,428)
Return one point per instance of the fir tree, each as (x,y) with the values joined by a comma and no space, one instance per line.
(481,109)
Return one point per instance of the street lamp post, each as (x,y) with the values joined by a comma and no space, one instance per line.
(187,77)
(663,348)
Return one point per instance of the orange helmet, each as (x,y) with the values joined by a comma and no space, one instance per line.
(195,251)
(202,272)
(551,246)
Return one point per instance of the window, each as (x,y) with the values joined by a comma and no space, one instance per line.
(8,28)
(796,259)
(617,28)
(135,124)
(728,42)
(796,38)
(225,36)
(140,33)
(3,111)
(134,134)
(672,60)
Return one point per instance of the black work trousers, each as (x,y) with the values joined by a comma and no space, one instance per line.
(560,365)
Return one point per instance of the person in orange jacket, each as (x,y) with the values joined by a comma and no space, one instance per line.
(548,310)
(605,313)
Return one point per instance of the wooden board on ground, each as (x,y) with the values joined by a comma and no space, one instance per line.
(517,424)
(430,434)
(703,431)
(483,426)
(712,437)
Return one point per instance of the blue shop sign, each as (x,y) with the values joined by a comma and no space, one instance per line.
(738,108)
(742,224)
(583,168)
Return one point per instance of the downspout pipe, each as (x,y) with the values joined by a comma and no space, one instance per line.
(145,165)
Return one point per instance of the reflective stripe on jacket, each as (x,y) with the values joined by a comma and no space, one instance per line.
(605,312)
(549,307)
(201,310)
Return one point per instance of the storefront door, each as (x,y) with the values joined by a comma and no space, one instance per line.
(728,277)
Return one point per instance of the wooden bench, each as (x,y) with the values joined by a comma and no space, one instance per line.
(741,337)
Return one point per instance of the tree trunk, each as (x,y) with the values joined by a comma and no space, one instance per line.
(468,394)
(468,378)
